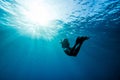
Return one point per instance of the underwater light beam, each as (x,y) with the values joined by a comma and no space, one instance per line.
(32,17)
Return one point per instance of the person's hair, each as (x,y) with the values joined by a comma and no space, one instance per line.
(65,43)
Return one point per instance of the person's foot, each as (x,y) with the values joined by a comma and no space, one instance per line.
(83,38)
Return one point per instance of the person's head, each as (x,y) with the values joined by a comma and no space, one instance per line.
(65,43)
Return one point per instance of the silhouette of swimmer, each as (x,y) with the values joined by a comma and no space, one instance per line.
(75,49)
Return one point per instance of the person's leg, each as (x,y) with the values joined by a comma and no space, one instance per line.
(77,49)
(78,40)
(74,47)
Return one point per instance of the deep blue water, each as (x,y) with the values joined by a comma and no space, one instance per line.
(25,58)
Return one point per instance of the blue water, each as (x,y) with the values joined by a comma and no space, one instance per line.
(25,58)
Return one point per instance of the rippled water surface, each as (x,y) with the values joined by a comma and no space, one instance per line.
(30,32)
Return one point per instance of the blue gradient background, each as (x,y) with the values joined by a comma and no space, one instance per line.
(24,58)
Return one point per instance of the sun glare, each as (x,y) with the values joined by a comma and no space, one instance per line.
(34,18)
(40,13)
(39,16)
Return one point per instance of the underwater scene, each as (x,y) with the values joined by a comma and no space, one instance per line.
(38,39)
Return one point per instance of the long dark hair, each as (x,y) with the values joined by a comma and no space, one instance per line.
(65,43)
